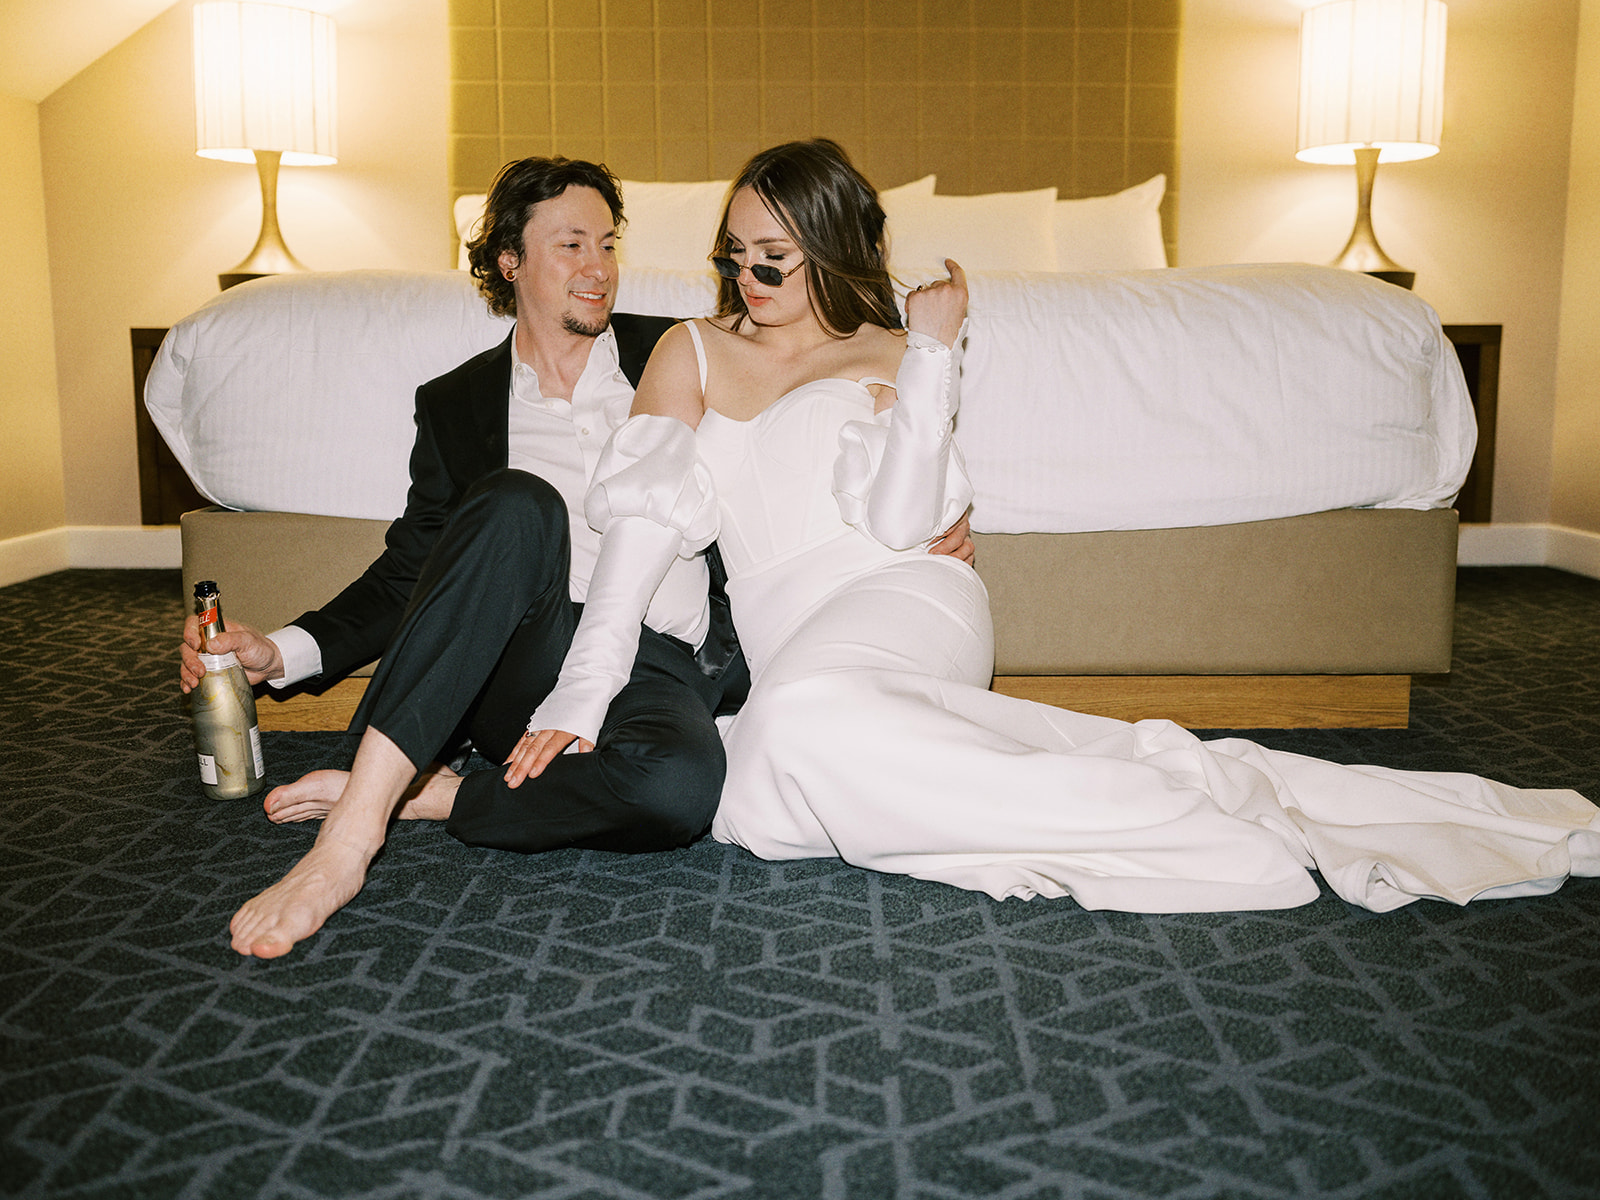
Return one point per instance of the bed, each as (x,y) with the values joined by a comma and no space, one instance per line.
(1219,495)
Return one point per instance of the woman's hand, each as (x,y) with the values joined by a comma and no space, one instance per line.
(536,750)
(938,308)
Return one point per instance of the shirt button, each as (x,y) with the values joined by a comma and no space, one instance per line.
(584,430)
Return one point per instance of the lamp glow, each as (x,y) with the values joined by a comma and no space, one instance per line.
(265,91)
(1371,90)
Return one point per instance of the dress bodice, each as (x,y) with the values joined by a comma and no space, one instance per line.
(774,471)
(782,537)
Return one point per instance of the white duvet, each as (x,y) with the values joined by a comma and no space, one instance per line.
(1103,400)
(1156,399)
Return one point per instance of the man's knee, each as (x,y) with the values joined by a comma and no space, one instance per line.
(516,502)
(665,795)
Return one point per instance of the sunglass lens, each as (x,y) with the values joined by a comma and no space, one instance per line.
(767,276)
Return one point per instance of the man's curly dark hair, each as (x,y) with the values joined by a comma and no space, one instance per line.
(516,189)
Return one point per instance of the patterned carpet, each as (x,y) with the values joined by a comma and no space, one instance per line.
(701,1025)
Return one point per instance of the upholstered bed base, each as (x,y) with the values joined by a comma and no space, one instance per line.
(1317,620)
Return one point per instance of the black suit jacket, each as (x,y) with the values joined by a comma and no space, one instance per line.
(462,435)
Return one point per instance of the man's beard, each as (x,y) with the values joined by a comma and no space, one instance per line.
(573,325)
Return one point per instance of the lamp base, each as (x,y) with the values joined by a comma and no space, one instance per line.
(270,256)
(1362,252)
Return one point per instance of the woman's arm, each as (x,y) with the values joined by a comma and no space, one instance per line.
(939,308)
(670,386)
(906,483)
(651,502)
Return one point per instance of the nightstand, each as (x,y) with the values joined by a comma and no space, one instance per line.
(1478,348)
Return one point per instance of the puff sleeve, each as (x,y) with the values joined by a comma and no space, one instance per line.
(652,500)
(904,481)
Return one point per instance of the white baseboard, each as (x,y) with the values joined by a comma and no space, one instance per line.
(1508,545)
(69,546)
(33,554)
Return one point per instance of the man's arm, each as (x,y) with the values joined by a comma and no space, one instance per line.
(258,655)
(355,626)
(450,453)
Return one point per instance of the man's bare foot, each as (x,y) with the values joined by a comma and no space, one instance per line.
(309,798)
(431,796)
(295,907)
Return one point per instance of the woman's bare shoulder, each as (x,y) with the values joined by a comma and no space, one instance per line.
(671,383)
(883,346)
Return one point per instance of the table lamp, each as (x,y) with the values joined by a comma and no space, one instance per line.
(1371,91)
(264,90)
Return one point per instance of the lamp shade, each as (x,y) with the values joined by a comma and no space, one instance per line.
(264,79)
(1371,74)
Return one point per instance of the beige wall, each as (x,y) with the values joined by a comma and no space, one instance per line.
(1576,500)
(30,451)
(1482,223)
(140,227)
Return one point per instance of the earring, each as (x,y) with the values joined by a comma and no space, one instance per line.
(511,276)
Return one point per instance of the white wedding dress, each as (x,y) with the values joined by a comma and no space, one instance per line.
(870,734)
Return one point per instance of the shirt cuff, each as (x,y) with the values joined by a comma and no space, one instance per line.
(302,657)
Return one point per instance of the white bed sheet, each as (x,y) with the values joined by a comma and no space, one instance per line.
(1101,400)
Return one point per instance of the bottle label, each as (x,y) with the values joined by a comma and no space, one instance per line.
(255,750)
(208,769)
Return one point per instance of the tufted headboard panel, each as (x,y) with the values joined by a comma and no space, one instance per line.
(992,95)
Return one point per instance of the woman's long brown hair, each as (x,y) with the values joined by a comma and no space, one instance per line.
(832,214)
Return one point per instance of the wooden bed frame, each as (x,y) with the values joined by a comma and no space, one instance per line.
(1314,621)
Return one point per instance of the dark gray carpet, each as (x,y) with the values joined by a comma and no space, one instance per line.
(702,1025)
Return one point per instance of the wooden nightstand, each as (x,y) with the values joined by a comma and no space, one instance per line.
(1478,348)
(165,492)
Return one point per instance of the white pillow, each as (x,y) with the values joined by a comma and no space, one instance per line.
(667,222)
(670,225)
(906,191)
(468,213)
(1120,232)
(662,220)
(1003,231)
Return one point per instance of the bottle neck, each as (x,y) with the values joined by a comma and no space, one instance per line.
(209,610)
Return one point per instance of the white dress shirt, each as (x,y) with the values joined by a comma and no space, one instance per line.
(561,443)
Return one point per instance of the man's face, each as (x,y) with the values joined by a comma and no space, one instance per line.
(567,275)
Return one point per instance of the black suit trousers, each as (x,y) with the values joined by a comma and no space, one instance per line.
(481,644)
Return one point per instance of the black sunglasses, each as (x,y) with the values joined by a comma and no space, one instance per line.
(763,273)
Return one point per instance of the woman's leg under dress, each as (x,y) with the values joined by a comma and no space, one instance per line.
(870,734)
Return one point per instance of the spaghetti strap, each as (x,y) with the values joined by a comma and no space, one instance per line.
(699,351)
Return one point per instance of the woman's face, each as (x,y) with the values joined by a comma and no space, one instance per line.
(756,237)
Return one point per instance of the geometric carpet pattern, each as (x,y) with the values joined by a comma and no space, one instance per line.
(702,1025)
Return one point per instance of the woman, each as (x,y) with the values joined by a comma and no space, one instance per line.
(820,457)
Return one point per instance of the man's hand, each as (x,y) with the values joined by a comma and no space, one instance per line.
(536,751)
(957,540)
(258,654)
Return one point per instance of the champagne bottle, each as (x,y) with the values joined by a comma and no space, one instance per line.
(227,738)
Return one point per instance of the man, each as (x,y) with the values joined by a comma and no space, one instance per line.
(472,602)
